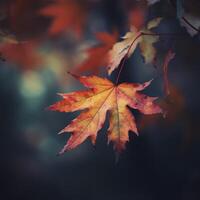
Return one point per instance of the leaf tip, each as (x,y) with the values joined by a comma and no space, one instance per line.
(64,150)
(61,152)
(73,75)
(62,131)
(51,107)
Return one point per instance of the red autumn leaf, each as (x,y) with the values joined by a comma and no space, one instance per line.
(97,56)
(66,14)
(137,17)
(24,20)
(102,97)
(170,55)
(24,55)
(173,104)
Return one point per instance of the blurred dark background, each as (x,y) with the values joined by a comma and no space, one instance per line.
(162,163)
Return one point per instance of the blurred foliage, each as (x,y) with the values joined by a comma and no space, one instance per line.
(162,163)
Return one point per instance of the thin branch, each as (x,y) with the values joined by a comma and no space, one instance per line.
(185,20)
(163,34)
(189,24)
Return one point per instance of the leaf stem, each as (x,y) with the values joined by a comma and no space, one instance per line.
(162,34)
(125,57)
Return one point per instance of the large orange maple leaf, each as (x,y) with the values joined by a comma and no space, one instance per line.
(67,14)
(104,96)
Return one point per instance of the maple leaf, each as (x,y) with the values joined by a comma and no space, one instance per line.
(104,96)
(97,56)
(24,20)
(127,46)
(174,104)
(137,17)
(67,14)
(22,54)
